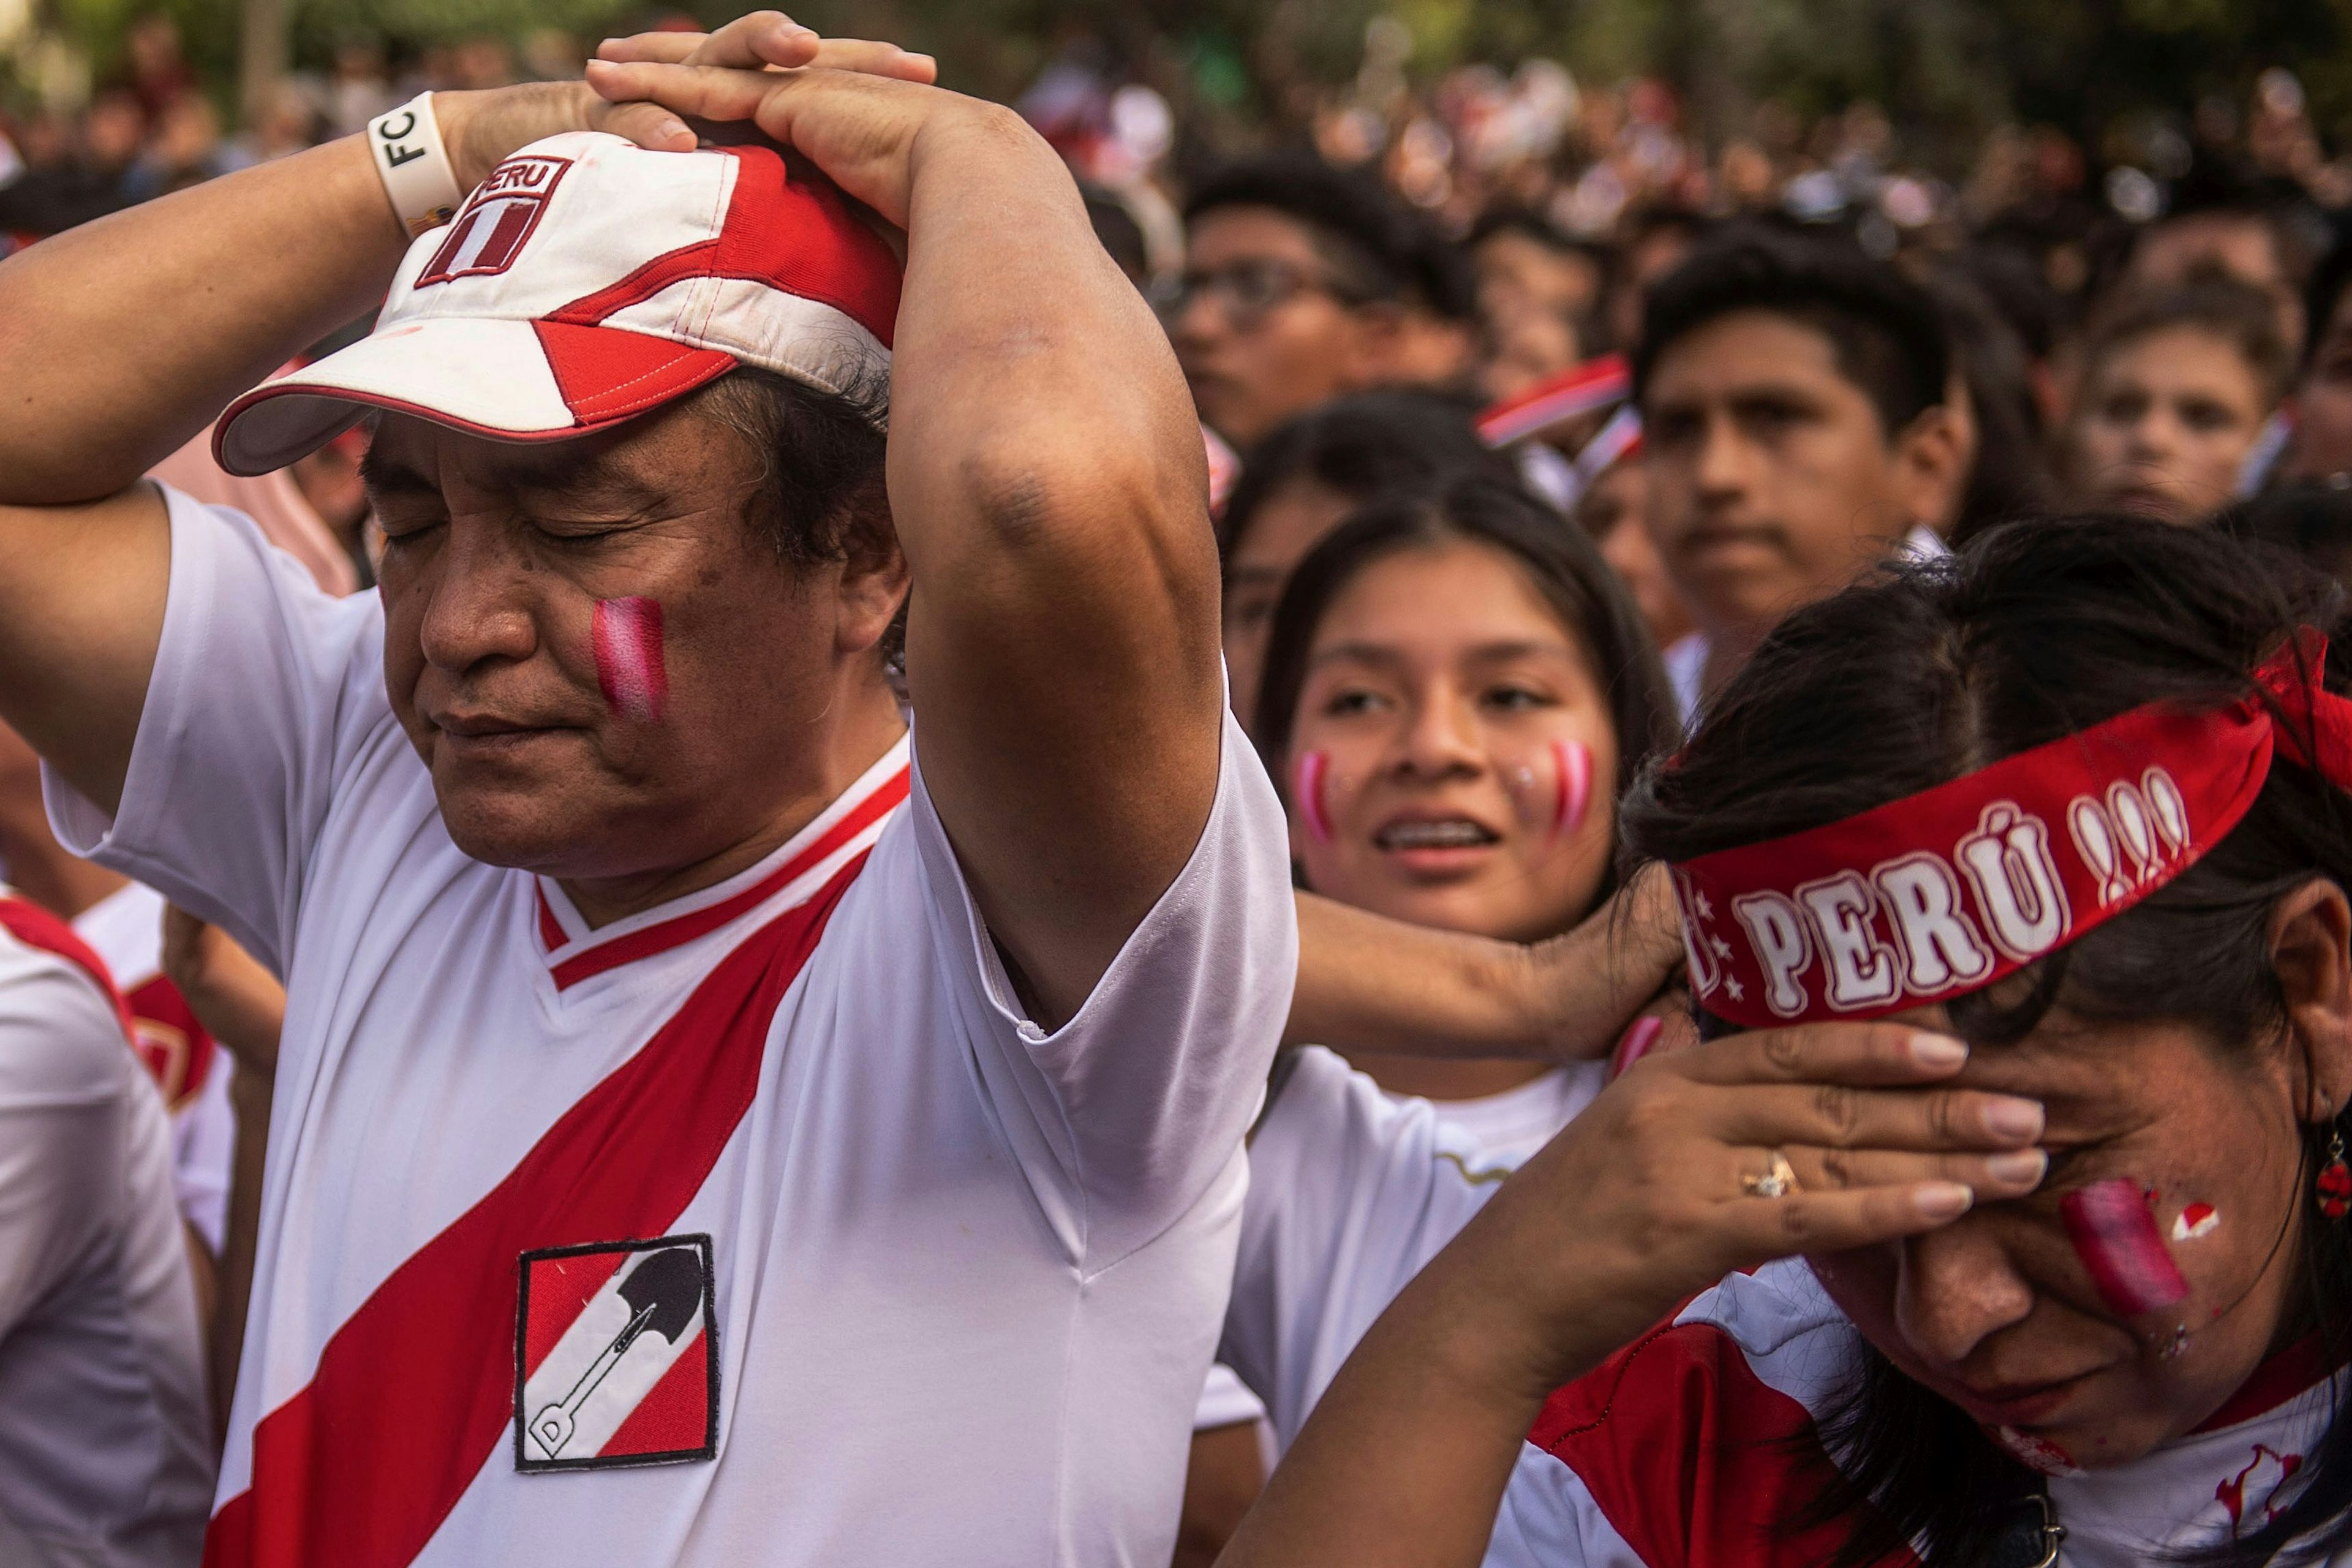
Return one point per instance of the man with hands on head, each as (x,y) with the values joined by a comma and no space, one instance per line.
(690,1092)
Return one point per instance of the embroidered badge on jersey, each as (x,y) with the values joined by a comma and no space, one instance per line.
(616,1358)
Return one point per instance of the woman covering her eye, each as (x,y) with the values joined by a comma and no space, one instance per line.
(2077,797)
(1456,691)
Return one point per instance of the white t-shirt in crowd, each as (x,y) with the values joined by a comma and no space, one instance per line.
(1511,1126)
(126,928)
(105,1438)
(1352,1190)
(1292,1231)
(759,1228)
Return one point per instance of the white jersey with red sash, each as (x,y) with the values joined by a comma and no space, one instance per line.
(105,1438)
(126,929)
(761,1228)
(1688,1446)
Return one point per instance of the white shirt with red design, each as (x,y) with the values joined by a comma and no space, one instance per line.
(105,1438)
(126,928)
(762,1226)
(1677,1451)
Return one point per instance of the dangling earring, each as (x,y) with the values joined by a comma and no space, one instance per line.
(2335,1183)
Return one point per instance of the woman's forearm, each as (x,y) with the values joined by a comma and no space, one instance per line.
(1367,983)
(1404,1461)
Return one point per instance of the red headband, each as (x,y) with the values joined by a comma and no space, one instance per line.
(1945,891)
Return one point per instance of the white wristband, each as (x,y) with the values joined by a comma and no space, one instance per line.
(414,164)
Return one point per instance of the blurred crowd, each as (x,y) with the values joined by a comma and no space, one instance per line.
(1502,344)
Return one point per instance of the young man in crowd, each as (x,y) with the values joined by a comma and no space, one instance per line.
(686,1100)
(1301,283)
(1794,434)
(2178,388)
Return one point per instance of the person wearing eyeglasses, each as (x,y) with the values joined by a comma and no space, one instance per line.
(1302,283)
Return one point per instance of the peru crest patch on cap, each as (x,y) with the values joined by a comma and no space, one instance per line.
(616,1355)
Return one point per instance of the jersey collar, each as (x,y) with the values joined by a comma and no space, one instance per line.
(851,822)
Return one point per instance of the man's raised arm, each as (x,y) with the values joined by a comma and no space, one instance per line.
(1048,485)
(126,336)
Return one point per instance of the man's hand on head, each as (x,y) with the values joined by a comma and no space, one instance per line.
(852,106)
(481,130)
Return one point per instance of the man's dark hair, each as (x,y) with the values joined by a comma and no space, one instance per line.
(2034,633)
(2222,305)
(1378,247)
(820,495)
(1363,447)
(2329,278)
(1530,224)
(2007,479)
(1119,233)
(1883,329)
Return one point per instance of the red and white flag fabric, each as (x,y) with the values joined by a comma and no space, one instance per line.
(1583,388)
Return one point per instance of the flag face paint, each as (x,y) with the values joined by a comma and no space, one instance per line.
(627,634)
(1637,1042)
(2034,1453)
(1573,790)
(2115,1234)
(1313,770)
(2196,1220)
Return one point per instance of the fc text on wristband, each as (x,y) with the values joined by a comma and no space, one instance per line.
(407,142)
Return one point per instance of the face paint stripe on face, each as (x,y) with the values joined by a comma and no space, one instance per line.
(2115,1234)
(627,634)
(1313,768)
(1574,760)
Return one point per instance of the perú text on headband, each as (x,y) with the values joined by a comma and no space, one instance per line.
(1949,891)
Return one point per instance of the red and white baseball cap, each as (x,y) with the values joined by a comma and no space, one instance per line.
(586,281)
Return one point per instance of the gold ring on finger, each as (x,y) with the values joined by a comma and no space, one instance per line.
(1776,1182)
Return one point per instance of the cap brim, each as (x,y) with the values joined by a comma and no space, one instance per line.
(505,380)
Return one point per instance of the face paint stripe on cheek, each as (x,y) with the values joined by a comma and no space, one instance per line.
(2115,1235)
(1312,770)
(1574,760)
(628,634)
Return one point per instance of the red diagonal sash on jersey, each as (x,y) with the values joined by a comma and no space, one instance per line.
(360,1467)
(675,932)
(36,928)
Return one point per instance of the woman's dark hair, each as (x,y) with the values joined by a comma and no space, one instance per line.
(2314,521)
(1561,562)
(1361,447)
(1933,670)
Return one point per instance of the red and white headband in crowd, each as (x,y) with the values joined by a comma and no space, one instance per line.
(586,281)
(1949,891)
(1579,389)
